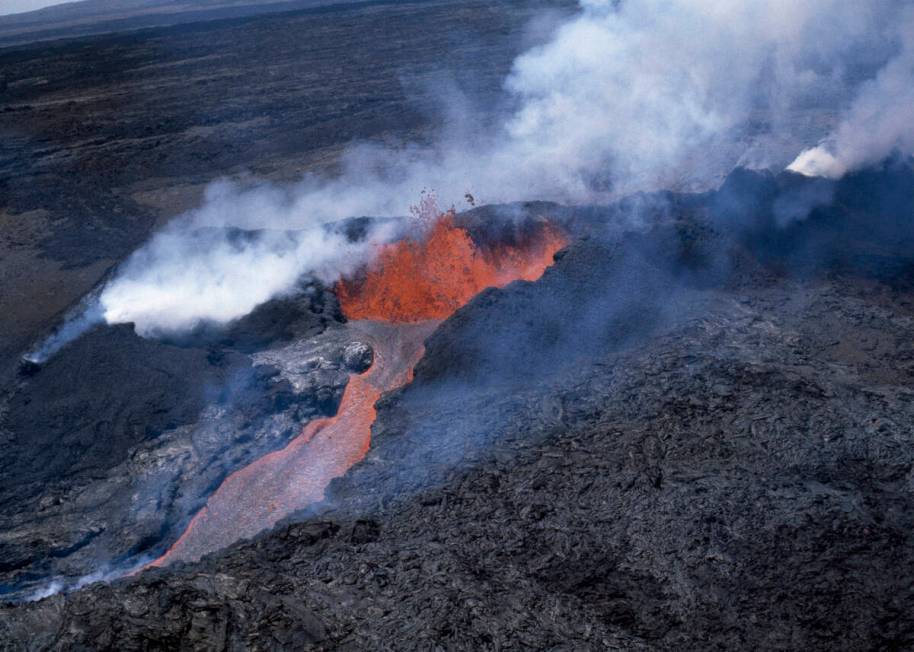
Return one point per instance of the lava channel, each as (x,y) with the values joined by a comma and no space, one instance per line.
(394,305)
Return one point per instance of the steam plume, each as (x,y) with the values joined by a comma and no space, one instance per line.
(623,96)
(880,120)
(86,315)
(202,270)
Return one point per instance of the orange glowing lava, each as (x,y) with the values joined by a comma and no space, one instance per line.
(430,278)
(255,497)
(400,300)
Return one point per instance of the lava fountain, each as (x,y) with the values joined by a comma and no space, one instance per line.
(431,277)
(394,305)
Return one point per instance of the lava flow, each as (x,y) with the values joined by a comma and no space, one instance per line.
(398,301)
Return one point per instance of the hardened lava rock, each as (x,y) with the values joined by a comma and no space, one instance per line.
(358,357)
(113,443)
(682,438)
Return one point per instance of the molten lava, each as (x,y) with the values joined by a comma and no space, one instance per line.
(255,497)
(401,298)
(430,278)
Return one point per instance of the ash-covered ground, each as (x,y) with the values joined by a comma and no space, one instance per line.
(702,440)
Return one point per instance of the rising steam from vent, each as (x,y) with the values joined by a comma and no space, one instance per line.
(86,315)
(182,278)
(623,96)
(880,120)
(204,269)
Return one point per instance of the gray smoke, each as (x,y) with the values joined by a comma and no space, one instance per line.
(107,573)
(86,315)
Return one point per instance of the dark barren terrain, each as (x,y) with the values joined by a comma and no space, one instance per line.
(74,19)
(693,432)
(718,459)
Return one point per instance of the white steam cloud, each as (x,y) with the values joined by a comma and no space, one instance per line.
(624,96)
(199,270)
(217,263)
(880,120)
(86,315)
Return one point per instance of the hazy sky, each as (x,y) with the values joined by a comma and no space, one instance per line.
(15,6)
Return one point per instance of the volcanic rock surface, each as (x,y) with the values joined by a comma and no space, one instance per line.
(136,445)
(690,435)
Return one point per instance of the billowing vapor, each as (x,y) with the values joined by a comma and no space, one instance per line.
(624,96)
(674,93)
(217,263)
(86,315)
(880,120)
(202,269)
(182,278)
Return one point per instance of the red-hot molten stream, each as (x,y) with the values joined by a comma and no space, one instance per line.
(397,302)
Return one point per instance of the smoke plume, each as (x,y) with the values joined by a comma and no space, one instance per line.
(204,269)
(880,120)
(83,317)
(623,96)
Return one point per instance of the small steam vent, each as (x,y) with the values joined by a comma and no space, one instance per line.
(28,366)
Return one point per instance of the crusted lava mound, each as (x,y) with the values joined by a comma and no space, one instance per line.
(689,434)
